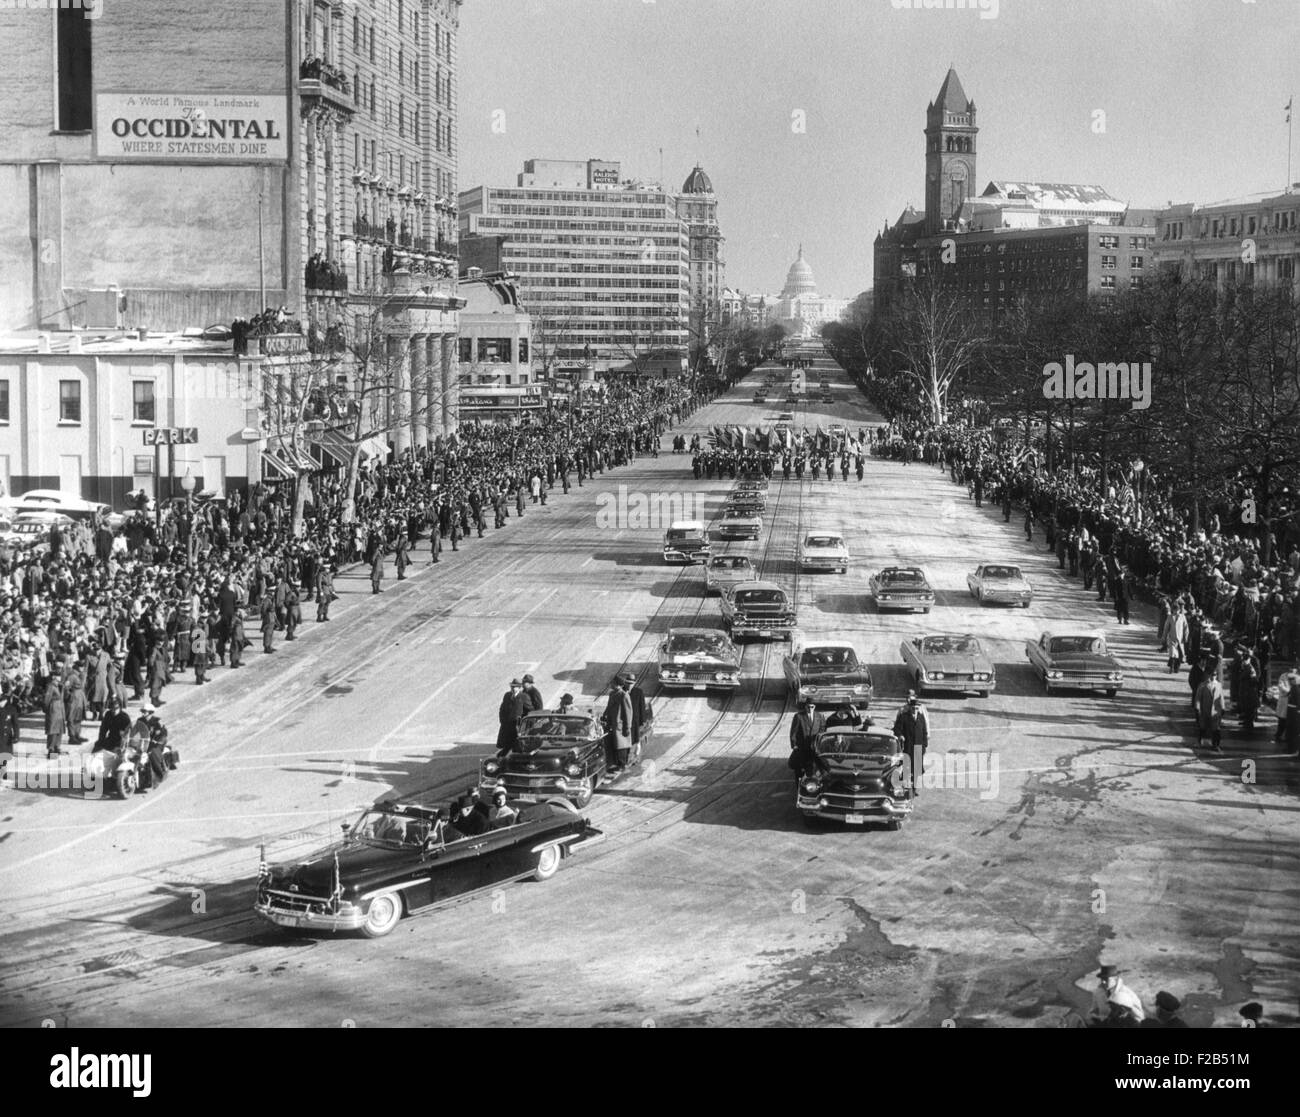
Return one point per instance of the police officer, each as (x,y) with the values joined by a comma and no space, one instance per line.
(912,727)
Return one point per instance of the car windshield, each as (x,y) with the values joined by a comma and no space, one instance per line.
(950,645)
(395,828)
(680,535)
(1012,572)
(729,562)
(903,577)
(820,658)
(552,726)
(760,597)
(822,541)
(698,643)
(857,744)
(1066,645)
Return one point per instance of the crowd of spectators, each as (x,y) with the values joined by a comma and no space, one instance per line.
(96,611)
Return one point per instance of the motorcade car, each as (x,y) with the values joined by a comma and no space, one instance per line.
(949,661)
(758,609)
(999,583)
(30,531)
(754,482)
(1076,659)
(824,550)
(53,500)
(558,754)
(827,672)
(902,587)
(747,501)
(686,541)
(738,522)
(399,859)
(724,571)
(861,777)
(785,417)
(698,659)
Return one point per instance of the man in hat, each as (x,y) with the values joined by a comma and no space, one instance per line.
(1114,1004)
(807,725)
(1209,711)
(466,819)
(267,609)
(508,715)
(618,724)
(912,727)
(199,649)
(324,590)
(642,714)
(237,639)
(532,696)
(1167,1008)
(150,736)
(846,716)
(566,704)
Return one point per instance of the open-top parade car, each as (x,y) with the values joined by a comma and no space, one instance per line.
(698,659)
(998,583)
(758,609)
(738,523)
(949,661)
(399,858)
(686,541)
(902,587)
(747,500)
(725,571)
(828,672)
(824,550)
(557,754)
(1077,659)
(861,777)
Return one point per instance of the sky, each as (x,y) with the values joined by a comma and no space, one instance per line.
(1192,95)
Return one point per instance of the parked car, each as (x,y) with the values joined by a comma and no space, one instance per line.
(686,541)
(1075,658)
(698,658)
(785,417)
(725,571)
(902,587)
(558,754)
(949,662)
(30,531)
(861,778)
(397,860)
(828,672)
(738,522)
(758,609)
(52,500)
(998,583)
(824,550)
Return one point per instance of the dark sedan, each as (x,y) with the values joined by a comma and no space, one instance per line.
(399,859)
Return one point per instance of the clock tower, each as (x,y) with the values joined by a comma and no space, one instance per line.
(950,132)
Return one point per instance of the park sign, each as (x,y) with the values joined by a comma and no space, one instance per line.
(170,436)
(192,127)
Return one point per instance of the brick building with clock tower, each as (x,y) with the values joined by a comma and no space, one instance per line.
(950,132)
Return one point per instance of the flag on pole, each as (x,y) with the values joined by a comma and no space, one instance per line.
(1288,110)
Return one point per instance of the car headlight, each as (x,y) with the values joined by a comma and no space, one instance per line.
(561,783)
(1056,674)
(860,688)
(980,677)
(937,675)
(574,770)
(1115,676)
(884,597)
(811,787)
(491,767)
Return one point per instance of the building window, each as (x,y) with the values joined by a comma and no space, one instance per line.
(69,393)
(4,401)
(142,407)
(495,349)
(1107,282)
(1135,262)
(1108,242)
(1285,270)
(467,349)
(73,31)
(523,351)
(1108,261)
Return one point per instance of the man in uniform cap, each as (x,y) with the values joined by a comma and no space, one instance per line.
(912,727)
(508,715)
(1167,1007)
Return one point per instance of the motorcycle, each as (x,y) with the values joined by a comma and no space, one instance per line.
(127,769)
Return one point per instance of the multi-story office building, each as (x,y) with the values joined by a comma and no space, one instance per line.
(174,167)
(1013,240)
(1255,239)
(603,264)
(697,205)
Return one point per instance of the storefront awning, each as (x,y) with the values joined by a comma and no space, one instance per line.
(286,459)
(334,445)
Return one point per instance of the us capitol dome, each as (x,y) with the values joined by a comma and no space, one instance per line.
(801,309)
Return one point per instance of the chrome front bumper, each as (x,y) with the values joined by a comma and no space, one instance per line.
(285,913)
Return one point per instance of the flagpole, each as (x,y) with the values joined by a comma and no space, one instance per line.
(1289,128)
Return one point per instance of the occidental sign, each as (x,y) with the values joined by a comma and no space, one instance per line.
(192,128)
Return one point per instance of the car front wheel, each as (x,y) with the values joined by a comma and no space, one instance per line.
(583,797)
(384,913)
(548,863)
(126,782)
